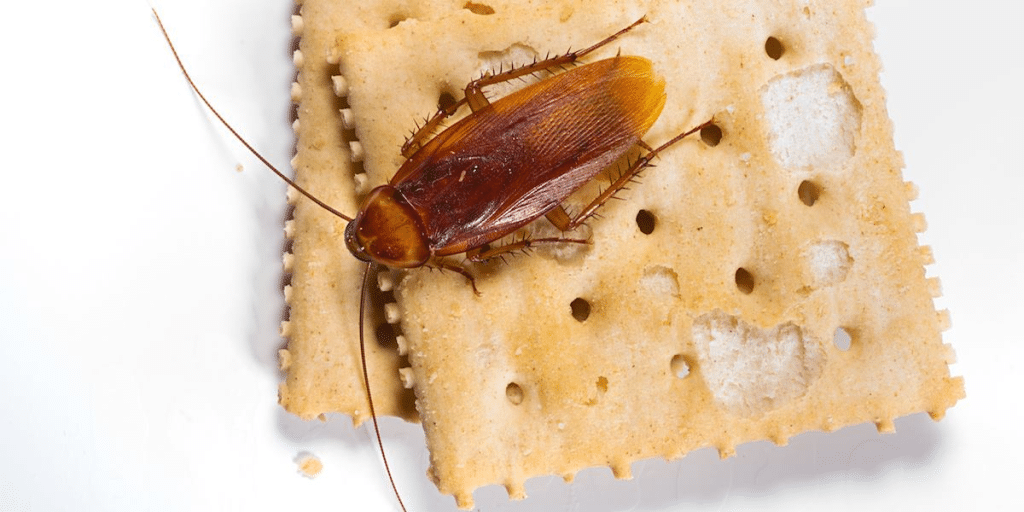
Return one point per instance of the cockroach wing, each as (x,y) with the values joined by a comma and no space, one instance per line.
(513,161)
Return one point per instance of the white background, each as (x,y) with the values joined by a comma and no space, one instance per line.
(140,282)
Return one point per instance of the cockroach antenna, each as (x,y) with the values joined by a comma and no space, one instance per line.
(227,125)
(370,267)
(448,199)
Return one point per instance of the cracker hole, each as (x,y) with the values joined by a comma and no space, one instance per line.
(773,47)
(386,336)
(446,101)
(680,366)
(645,221)
(711,135)
(744,280)
(808,192)
(514,393)
(395,19)
(475,8)
(602,384)
(580,309)
(842,339)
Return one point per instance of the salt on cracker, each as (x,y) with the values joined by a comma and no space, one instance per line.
(781,287)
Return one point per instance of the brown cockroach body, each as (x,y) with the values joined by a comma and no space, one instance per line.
(510,162)
(501,167)
(507,164)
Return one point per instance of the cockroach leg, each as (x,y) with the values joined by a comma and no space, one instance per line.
(476,100)
(444,265)
(559,218)
(474,91)
(417,139)
(480,255)
(627,176)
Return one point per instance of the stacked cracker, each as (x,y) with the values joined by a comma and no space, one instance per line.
(718,324)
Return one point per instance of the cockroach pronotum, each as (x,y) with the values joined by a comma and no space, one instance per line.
(506,164)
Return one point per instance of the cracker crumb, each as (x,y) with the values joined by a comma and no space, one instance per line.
(309,465)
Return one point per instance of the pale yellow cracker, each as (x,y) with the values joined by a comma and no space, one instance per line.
(781,290)
(718,327)
(321,360)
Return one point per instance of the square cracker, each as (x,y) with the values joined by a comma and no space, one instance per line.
(781,290)
(321,361)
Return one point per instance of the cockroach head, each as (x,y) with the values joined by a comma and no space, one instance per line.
(352,242)
(387,230)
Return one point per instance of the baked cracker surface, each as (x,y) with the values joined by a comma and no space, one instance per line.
(321,361)
(781,290)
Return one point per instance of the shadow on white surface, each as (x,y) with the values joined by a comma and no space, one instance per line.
(760,473)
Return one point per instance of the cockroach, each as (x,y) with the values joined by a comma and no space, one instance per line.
(503,166)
